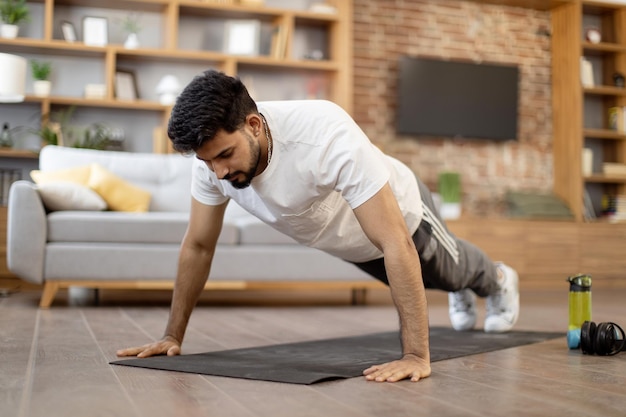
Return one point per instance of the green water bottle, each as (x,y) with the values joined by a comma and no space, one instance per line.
(579,307)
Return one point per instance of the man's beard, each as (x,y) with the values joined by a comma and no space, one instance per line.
(255,158)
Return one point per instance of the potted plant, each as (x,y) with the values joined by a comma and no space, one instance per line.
(450,190)
(56,125)
(41,77)
(130,24)
(12,13)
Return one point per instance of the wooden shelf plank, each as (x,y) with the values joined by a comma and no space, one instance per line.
(604,134)
(605,90)
(599,178)
(289,63)
(134,5)
(242,11)
(17,153)
(219,57)
(528,4)
(602,48)
(170,55)
(84,102)
(54,47)
(599,7)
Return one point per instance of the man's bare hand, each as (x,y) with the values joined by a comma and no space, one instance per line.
(166,346)
(410,366)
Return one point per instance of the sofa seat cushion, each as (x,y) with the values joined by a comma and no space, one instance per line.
(122,227)
(111,261)
(132,261)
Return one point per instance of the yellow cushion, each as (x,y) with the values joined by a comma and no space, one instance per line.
(119,194)
(78,175)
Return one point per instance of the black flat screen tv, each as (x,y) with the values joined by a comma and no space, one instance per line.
(457,99)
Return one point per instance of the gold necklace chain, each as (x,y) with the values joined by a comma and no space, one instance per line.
(269,139)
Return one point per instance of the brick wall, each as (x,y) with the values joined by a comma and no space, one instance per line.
(386,29)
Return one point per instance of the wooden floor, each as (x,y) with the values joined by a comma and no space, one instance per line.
(55,363)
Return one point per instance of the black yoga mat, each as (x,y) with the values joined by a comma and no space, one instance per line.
(323,360)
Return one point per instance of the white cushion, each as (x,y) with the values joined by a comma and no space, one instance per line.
(70,196)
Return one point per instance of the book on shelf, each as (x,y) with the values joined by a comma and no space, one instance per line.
(586,73)
(614,168)
(279,42)
(614,207)
(589,213)
(587,162)
(617,218)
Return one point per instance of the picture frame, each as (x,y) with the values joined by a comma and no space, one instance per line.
(241,37)
(69,32)
(126,85)
(95,31)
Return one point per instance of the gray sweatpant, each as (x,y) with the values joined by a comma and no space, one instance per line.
(448,263)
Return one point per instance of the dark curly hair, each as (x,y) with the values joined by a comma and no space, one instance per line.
(211,101)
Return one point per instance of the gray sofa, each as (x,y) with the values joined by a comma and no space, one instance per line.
(127,250)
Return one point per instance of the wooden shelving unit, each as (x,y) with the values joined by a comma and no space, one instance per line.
(581,113)
(335,68)
(172,50)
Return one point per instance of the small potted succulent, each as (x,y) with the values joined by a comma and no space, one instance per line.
(12,13)
(41,77)
(449,188)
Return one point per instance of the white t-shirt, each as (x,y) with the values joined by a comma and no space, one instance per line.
(322,167)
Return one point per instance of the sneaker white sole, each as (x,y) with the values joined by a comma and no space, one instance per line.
(498,323)
(462,321)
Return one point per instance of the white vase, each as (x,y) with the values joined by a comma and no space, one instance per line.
(132,41)
(42,88)
(9,31)
(450,211)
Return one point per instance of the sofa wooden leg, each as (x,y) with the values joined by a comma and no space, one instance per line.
(359,296)
(50,290)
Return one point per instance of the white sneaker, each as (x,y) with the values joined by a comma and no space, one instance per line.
(462,309)
(503,307)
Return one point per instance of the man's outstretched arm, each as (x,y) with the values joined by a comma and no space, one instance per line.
(194,264)
(383,223)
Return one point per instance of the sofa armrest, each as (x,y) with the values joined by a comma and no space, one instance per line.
(26,232)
